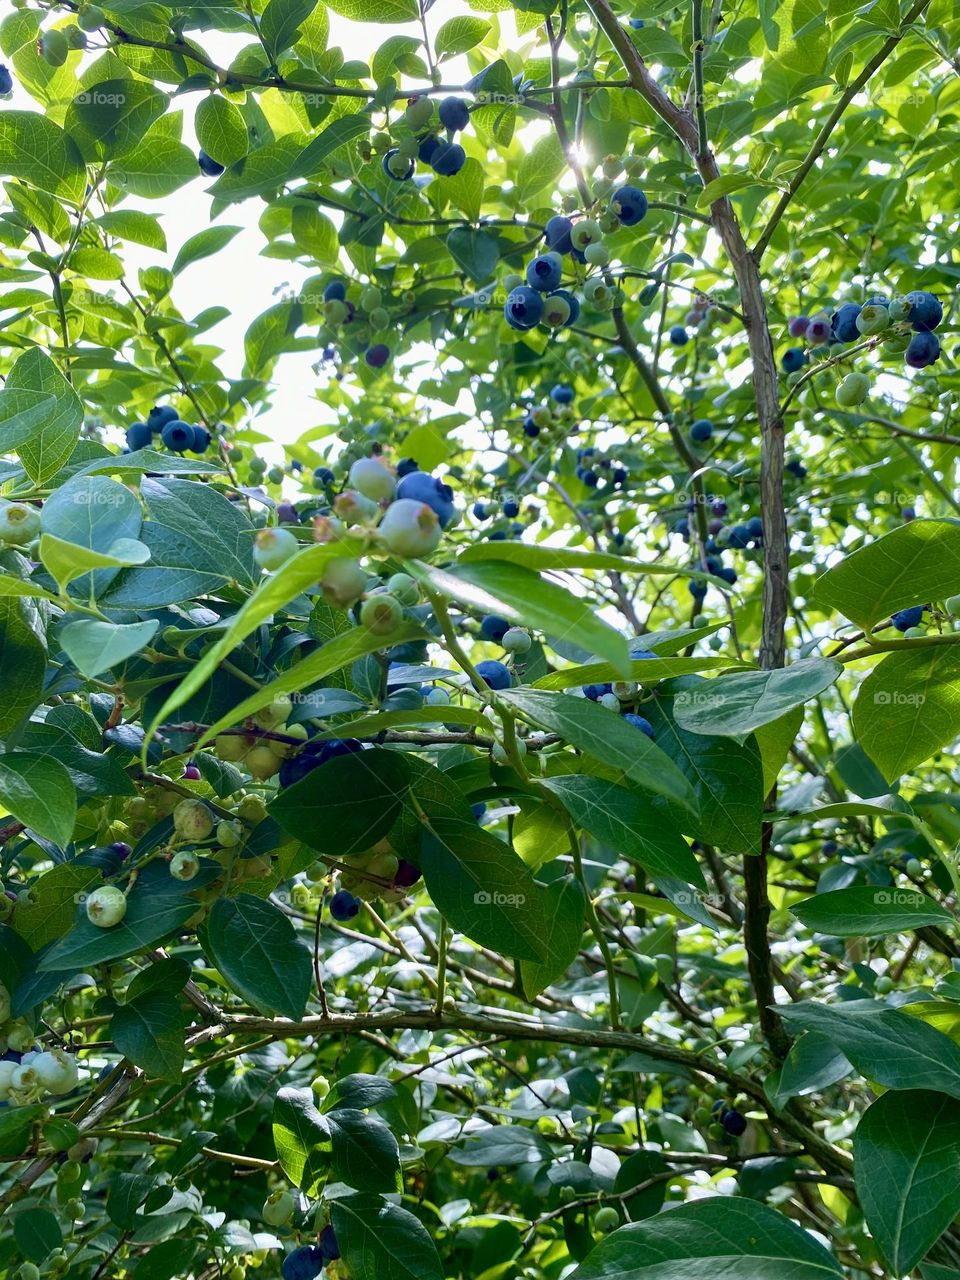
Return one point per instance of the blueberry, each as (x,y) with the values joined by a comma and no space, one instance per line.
(637,23)
(589,478)
(796,468)
(336,291)
(454,114)
(697,589)
(543,273)
(201,440)
(160,415)
(287,513)
(734,1123)
(344,906)
(313,755)
(792,360)
(6,80)
(422,487)
(679,336)
(904,619)
(755,527)
(830,847)
(924,349)
(523,307)
(908,513)
(480,511)
(561,393)
(177,436)
(844,322)
(395,166)
(596,691)
(448,159)
(619,477)
(557,234)
(407,874)
(495,674)
(925,311)
(406,466)
(377,355)
(304,1263)
(718,507)
(139,436)
(323,476)
(572,301)
(798,326)
(530,428)
(630,205)
(328,1241)
(511,508)
(728,574)
(494,627)
(428,147)
(478,809)
(639,722)
(740,536)
(701,431)
(208,166)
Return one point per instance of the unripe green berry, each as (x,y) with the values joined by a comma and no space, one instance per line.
(606,1219)
(184,866)
(273,547)
(516,640)
(192,820)
(381,614)
(106,907)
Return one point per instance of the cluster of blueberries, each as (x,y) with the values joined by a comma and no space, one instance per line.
(541,299)
(606,696)
(444,156)
(306,1262)
(340,310)
(591,469)
(537,418)
(177,436)
(679,333)
(853,321)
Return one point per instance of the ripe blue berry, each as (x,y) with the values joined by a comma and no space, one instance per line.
(734,1123)
(139,436)
(323,476)
(543,273)
(796,468)
(630,205)
(377,355)
(422,487)
(160,415)
(523,307)
(557,234)
(908,513)
(454,114)
(448,159)
(208,166)
(201,440)
(328,1245)
(480,511)
(925,311)
(312,756)
(830,847)
(639,722)
(596,691)
(797,326)
(494,627)
(904,619)
(407,874)
(304,1263)
(679,336)
(6,80)
(792,360)
(562,394)
(511,508)
(923,350)
(739,536)
(495,674)
(478,809)
(843,323)
(336,291)
(701,430)
(405,466)
(428,147)
(344,906)
(177,436)
(755,527)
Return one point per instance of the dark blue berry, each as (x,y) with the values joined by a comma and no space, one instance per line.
(454,114)
(422,487)
(448,159)
(925,311)
(630,205)
(494,628)
(844,322)
(701,430)
(139,436)
(793,359)
(177,436)
(543,273)
(208,166)
(557,234)
(160,415)
(336,291)
(923,350)
(639,722)
(904,619)
(495,674)
(523,307)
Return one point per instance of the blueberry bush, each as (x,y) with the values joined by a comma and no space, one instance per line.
(503,825)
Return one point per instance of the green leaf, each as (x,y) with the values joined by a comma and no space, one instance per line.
(51,906)
(37,1233)
(383,12)
(540,167)
(475,252)
(132,225)
(94,647)
(108,119)
(281,23)
(256,948)
(346,805)
(457,35)
(67,560)
(648,672)
(607,737)
(906,1154)
(363,1152)
(869,912)
(813,1063)
(507,1145)
(205,244)
(709,1238)
(149,1031)
(909,707)
(734,705)
(301,1136)
(914,564)
(21,413)
(46,450)
(343,130)
(483,888)
(526,599)
(381,1241)
(39,793)
(38,151)
(627,823)
(884,1045)
(23,659)
(564,906)
(16,1128)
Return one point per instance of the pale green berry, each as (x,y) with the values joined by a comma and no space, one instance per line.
(371,298)
(184,866)
(19,523)
(192,820)
(372,479)
(344,581)
(106,907)
(278,1208)
(273,547)
(404,588)
(381,614)
(853,390)
(597,255)
(410,528)
(585,232)
(516,640)
(57,1071)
